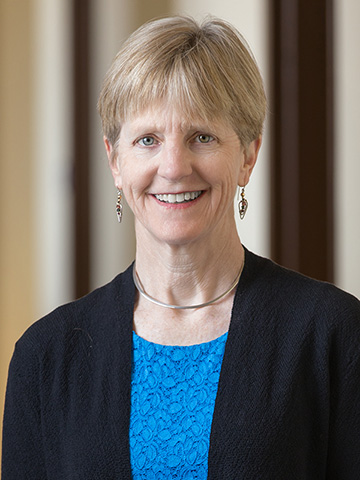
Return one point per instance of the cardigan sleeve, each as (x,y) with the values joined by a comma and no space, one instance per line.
(23,455)
(344,422)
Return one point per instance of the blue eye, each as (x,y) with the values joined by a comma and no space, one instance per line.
(203,138)
(146,141)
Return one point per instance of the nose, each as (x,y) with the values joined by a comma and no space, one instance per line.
(175,162)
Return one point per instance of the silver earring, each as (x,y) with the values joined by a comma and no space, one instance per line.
(243,204)
(119,207)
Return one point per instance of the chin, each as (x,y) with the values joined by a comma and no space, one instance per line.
(173,233)
(180,238)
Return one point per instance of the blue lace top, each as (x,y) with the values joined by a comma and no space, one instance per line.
(173,394)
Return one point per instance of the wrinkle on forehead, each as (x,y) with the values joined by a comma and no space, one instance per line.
(162,117)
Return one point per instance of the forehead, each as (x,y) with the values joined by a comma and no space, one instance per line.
(162,116)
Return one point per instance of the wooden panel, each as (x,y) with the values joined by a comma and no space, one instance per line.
(81,20)
(302,158)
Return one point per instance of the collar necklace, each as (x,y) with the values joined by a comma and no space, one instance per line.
(182,307)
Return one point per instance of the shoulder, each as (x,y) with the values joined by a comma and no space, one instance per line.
(90,317)
(299,318)
(73,344)
(293,294)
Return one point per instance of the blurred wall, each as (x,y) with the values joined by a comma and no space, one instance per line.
(347,152)
(17,300)
(36,195)
(35,166)
(52,181)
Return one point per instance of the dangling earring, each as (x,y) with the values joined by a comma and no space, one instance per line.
(243,204)
(119,207)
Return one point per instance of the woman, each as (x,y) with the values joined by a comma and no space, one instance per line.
(202,360)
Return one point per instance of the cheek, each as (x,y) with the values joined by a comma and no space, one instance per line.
(225,176)
(136,179)
(226,166)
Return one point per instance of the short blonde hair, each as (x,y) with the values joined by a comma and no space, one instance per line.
(207,70)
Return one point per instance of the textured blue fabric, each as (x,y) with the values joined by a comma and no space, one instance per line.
(173,394)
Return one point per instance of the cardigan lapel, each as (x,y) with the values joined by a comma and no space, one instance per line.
(236,408)
(120,357)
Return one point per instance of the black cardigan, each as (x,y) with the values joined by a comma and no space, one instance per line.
(288,402)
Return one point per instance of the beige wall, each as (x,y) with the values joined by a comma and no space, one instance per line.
(16,162)
(35,166)
(53,163)
(347,157)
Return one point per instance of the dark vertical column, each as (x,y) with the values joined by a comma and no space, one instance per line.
(81,144)
(302,184)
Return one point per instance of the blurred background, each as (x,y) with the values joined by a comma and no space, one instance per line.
(59,237)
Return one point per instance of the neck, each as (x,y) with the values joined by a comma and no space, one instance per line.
(184,307)
(189,274)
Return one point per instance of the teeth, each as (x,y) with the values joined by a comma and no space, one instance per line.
(178,197)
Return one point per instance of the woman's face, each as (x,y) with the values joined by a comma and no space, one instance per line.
(178,178)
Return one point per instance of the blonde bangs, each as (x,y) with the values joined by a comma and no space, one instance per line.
(203,71)
(177,87)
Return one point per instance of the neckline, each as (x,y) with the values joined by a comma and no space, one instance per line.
(219,339)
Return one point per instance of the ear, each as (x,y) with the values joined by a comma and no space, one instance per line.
(113,162)
(248,161)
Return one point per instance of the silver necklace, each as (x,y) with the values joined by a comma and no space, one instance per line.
(182,307)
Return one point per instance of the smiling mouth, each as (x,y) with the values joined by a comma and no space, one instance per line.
(178,197)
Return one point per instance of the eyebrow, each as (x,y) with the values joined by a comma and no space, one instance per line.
(184,127)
